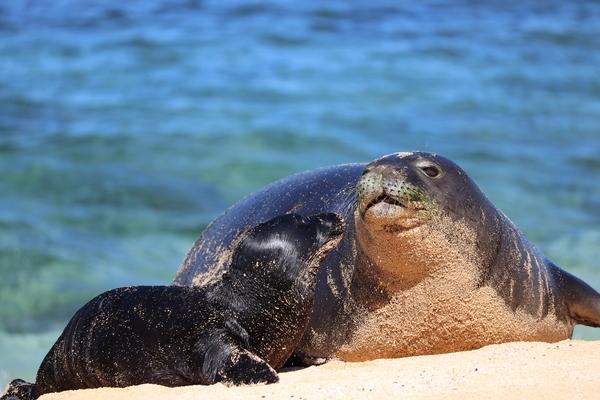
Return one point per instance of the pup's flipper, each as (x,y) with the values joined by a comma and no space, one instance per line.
(245,368)
(225,361)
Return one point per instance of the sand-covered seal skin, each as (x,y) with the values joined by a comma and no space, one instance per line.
(238,330)
(427,263)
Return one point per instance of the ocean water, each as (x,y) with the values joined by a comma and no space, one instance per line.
(125,127)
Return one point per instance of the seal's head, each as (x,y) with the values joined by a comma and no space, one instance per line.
(411,207)
(288,249)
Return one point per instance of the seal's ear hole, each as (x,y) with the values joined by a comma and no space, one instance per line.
(431,171)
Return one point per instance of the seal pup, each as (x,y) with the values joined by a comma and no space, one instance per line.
(238,331)
(427,263)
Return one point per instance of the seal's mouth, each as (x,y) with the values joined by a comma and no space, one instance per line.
(393,214)
(385,205)
(385,199)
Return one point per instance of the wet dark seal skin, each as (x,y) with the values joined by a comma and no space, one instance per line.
(238,330)
(427,263)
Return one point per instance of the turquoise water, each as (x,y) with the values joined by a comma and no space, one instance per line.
(126,127)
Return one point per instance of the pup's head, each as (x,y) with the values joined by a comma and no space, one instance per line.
(288,249)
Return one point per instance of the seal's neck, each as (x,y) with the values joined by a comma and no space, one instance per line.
(265,290)
(266,300)
(274,314)
(401,260)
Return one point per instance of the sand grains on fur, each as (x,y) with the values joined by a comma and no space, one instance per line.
(568,369)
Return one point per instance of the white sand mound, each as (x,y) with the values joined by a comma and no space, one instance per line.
(565,370)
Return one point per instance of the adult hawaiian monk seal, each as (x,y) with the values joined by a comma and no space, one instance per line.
(427,263)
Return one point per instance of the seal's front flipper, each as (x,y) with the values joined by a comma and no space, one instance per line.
(20,390)
(582,301)
(226,362)
(245,368)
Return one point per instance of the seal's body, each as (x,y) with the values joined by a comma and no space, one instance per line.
(238,330)
(427,263)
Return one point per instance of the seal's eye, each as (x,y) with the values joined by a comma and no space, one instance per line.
(431,171)
(367,170)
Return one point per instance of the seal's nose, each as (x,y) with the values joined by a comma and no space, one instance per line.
(378,180)
(388,172)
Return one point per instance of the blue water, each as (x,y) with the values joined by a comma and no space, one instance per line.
(125,127)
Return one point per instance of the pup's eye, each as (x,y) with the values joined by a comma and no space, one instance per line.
(431,171)
(367,170)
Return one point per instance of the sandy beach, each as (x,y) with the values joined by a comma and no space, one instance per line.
(568,369)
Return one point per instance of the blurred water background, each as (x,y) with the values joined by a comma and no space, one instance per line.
(126,126)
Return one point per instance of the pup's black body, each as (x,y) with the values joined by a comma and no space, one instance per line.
(239,330)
